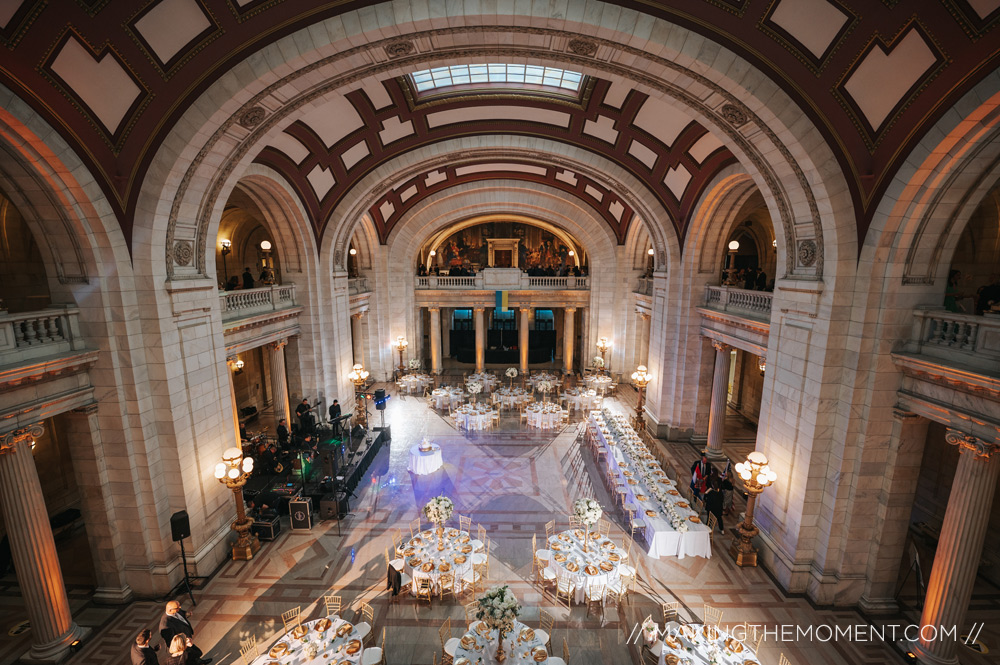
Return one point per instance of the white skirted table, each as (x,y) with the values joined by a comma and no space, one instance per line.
(488,380)
(510,397)
(598,567)
(443,397)
(699,644)
(598,382)
(473,417)
(577,399)
(423,559)
(415,382)
(522,646)
(543,415)
(336,640)
(425,462)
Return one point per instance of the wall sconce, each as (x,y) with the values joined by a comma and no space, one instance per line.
(237,366)
(353,252)
(761,364)
(774,243)
(650,251)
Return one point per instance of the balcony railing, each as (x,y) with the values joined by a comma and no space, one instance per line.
(960,337)
(32,335)
(645,286)
(755,304)
(524,282)
(250,302)
(357,286)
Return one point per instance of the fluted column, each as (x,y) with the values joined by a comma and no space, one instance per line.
(960,546)
(34,550)
(480,313)
(446,332)
(717,416)
(522,339)
(569,339)
(435,313)
(279,385)
(358,337)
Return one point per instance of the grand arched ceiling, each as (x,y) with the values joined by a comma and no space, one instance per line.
(114,77)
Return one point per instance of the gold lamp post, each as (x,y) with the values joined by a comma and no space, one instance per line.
(233,471)
(359,375)
(756,475)
(734,246)
(603,344)
(401,345)
(641,378)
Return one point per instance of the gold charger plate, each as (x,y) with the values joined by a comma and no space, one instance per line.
(572,567)
(460,559)
(463,661)
(633,481)
(608,545)
(427,567)
(539,654)
(444,567)
(463,539)
(614,557)
(344,629)
(527,634)
(606,567)
(409,551)
(590,570)
(682,504)
(650,513)
(641,497)
(710,632)
(300,631)
(672,659)
(466,549)
(278,650)
(671,642)
(627,473)
(323,624)
(417,541)
(733,645)
(673,493)
(555,547)
(415,561)
(453,533)
(353,647)
(559,557)
(694,518)
(482,629)
(467,641)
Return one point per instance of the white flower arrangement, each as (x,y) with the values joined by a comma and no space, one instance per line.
(414,363)
(650,629)
(474,387)
(511,372)
(598,361)
(439,509)
(544,386)
(499,609)
(588,511)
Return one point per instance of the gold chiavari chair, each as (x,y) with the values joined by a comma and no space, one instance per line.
(594,593)
(612,597)
(712,523)
(395,563)
(671,611)
(540,564)
(546,621)
(758,638)
(414,527)
(368,617)
(636,524)
(397,542)
(465,523)
(248,650)
(604,527)
(446,584)
(550,529)
(333,604)
(291,618)
(565,587)
(471,609)
(375,655)
(448,643)
(713,615)
(425,589)
(574,521)
(565,652)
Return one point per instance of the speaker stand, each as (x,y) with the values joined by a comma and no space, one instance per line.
(186,582)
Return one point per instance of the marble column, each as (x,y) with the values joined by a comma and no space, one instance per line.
(34,550)
(522,339)
(435,313)
(480,314)
(569,339)
(232,395)
(959,548)
(720,388)
(279,384)
(642,338)
(358,337)
(446,332)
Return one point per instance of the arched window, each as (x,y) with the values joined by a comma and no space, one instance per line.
(477,75)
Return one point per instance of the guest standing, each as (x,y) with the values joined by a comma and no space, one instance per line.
(181,651)
(699,475)
(176,622)
(713,502)
(142,653)
(247,278)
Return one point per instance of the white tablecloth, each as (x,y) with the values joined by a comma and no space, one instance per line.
(598,382)
(445,396)
(415,382)
(332,648)
(488,380)
(422,462)
(577,399)
(422,550)
(568,545)
(534,379)
(510,397)
(474,419)
(483,647)
(693,636)
(543,416)
(663,539)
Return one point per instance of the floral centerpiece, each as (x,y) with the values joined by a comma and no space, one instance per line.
(598,361)
(499,609)
(414,363)
(438,510)
(544,387)
(588,511)
(650,630)
(474,388)
(511,374)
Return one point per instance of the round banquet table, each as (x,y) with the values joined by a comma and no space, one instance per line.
(445,396)
(509,397)
(599,565)
(534,379)
(479,646)
(577,399)
(543,415)
(698,639)
(333,648)
(488,380)
(599,382)
(425,462)
(422,558)
(473,417)
(415,382)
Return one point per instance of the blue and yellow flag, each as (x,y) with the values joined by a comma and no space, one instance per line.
(502,301)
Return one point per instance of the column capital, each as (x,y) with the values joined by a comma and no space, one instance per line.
(435,308)
(966,442)
(570,310)
(277,345)
(359,315)
(10,440)
(479,309)
(720,346)
(645,316)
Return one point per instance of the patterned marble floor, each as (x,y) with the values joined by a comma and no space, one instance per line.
(511,481)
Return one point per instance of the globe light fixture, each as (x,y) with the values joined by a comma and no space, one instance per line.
(265,245)
(358,375)
(756,476)
(353,252)
(233,472)
(650,251)
(603,344)
(731,264)
(401,345)
(227,248)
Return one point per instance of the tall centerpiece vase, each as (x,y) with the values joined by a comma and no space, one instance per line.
(438,511)
(440,534)
(589,512)
(499,609)
(500,655)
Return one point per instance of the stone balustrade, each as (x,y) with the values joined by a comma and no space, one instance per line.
(485,283)
(358,285)
(753,304)
(251,302)
(962,338)
(645,286)
(29,336)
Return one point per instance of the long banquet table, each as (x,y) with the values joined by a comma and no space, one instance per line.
(655,496)
(699,645)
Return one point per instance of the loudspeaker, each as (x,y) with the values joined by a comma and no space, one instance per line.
(300,512)
(380,399)
(180,526)
(328,507)
(358,432)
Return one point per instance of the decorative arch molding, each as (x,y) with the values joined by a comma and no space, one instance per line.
(443,234)
(737,110)
(543,152)
(716,216)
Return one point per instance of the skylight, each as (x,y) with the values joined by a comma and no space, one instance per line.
(460,75)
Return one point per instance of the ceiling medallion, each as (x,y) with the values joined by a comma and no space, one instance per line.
(807,253)
(252,117)
(734,115)
(399,49)
(582,46)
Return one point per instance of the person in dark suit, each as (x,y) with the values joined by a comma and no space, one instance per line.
(142,653)
(699,475)
(334,410)
(713,502)
(761,281)
(247,278)
(176,621)
(282,433)
(304,412)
